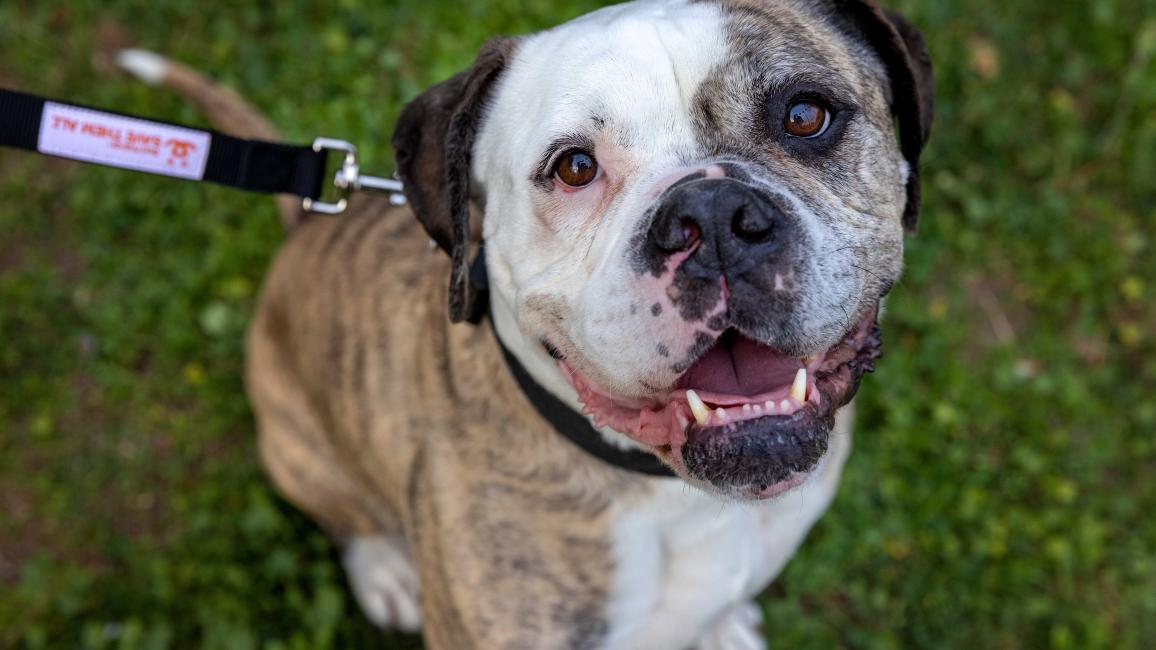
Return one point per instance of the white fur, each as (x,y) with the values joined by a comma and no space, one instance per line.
(147,66)
(737,629)
(687,558)
(384,581)
(638,64)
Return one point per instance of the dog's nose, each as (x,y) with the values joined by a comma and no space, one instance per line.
(728,225)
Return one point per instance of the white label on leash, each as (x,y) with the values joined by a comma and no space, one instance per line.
(125,142)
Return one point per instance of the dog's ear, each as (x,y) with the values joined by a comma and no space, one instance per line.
(433,142)
(901,47)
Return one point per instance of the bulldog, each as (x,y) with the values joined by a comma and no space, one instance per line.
(667,229)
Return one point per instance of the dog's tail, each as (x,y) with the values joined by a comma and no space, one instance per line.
(227,110)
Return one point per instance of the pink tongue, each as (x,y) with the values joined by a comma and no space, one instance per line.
(737,365)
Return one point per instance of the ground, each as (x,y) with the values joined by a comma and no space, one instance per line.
(1001,491)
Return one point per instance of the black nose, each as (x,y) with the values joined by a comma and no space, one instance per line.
(729,224)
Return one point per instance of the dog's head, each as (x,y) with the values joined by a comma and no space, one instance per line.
(691,213)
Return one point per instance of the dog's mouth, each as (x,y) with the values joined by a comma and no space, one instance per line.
(744,417)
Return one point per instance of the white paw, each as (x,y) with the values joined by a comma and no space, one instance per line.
(384,582)
(739,628)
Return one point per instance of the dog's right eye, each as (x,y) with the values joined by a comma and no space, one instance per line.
(807,119)
(576,168)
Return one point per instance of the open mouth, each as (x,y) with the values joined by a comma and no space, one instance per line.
(744,417)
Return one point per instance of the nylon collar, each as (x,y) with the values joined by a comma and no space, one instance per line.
(572,425)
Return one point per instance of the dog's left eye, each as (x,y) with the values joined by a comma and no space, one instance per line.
(576,168)
(807,119)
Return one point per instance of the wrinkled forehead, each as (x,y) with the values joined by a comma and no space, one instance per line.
(637,72)
(623,70)
(783,40)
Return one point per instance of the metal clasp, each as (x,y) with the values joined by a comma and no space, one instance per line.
(349,179)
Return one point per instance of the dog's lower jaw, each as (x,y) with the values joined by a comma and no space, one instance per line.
(737,487)
(736,446)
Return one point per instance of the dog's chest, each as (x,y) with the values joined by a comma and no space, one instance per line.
(683,557)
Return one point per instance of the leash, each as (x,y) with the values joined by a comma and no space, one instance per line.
(85,134)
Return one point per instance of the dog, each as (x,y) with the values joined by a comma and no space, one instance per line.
(667,229)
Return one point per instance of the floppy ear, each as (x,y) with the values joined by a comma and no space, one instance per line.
(434,141)
(901,47)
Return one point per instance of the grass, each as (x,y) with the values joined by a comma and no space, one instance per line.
(1001,492)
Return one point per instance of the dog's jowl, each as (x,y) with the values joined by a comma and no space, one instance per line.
(689,212)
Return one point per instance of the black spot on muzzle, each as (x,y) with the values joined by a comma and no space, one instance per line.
(763,451)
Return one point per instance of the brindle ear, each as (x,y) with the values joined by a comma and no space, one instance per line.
(903,51)
(433,142)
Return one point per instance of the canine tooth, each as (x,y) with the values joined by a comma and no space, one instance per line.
(721,413)
(799,388)
(698,407)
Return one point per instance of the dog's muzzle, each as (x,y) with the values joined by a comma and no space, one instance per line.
(728,227)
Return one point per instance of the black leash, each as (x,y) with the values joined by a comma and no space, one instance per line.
(573,426)
(123,141)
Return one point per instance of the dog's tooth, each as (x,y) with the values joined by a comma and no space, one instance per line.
(785,405)
(769,405)
(799,388)
(757,408)
(698,407)
(721,414)
(746,409)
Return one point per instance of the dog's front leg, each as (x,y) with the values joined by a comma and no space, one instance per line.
(508,559)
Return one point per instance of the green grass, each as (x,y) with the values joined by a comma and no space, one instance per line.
(1002,490)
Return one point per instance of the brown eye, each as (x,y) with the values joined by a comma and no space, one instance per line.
(576,168)
(807,119)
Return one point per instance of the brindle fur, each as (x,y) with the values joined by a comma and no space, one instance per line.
(378,416)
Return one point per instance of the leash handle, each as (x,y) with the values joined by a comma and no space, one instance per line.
(123,141)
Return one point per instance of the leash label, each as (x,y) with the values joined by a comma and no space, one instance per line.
(124,142)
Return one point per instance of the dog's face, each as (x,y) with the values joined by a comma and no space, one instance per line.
(691,213)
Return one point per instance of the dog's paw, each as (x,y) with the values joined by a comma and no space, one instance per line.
(739,628)
(384,582)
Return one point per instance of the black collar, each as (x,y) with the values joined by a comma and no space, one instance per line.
(572,425)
